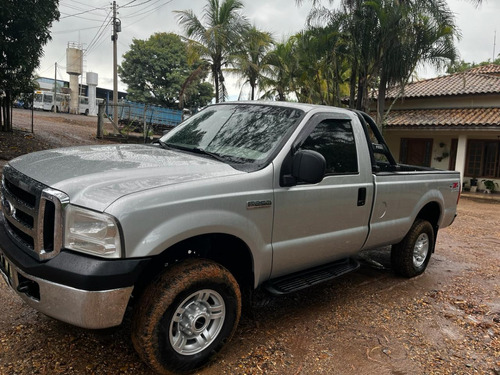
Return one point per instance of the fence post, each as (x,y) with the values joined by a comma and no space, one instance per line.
(145,126)
(100,120)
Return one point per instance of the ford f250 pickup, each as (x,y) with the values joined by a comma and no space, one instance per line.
(240,196)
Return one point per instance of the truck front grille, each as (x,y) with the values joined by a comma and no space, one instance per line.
(32,213)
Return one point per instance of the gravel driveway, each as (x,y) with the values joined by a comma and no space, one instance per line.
(446,321)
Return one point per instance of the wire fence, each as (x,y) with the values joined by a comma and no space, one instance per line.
(135,120)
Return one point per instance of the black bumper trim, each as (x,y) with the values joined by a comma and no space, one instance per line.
(74,269)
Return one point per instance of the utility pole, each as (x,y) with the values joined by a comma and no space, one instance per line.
(494,45)
(54,100)
(114,38)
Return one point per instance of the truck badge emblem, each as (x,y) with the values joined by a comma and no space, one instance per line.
(259,204)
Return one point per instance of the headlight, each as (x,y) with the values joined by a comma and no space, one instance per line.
(91,232)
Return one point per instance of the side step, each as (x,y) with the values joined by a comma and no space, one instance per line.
(304,279)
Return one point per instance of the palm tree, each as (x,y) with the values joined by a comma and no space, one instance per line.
(322,68)
(249,62)
(387,39)
(411,33)
(215,40)
(280,73)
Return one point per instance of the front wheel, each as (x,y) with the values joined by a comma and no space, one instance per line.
(410,257)
(186,316)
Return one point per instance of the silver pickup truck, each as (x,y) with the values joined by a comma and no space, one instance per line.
(240,196)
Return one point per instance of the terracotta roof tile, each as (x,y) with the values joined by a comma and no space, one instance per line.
(471,117)
(467,83)
(486,69)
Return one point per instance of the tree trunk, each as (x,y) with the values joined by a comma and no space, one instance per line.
(352,83)
(361,92)
(8,118)
(1,114)
(215,73)
(382,87)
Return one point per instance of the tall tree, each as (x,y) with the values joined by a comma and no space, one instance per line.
(322,65)
(387,39)
(217,39)
(411,33)
(157,71)
(280,73)
(24,30)
(249,61)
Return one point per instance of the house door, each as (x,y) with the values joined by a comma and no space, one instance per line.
(416,151)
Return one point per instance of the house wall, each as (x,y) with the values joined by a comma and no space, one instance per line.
(442,139)
(469,101)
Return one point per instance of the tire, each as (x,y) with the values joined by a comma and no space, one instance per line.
(86,112)
(186,316)
(410,257)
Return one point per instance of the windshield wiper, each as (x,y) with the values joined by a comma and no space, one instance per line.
(201,151)
(213,155)
(161,143)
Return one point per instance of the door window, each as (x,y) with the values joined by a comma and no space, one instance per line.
(334,139)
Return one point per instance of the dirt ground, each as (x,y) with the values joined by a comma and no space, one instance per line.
(446,321)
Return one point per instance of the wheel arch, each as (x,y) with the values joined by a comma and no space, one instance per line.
(432,213)
(227,250)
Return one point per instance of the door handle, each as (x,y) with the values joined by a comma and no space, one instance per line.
(361,196)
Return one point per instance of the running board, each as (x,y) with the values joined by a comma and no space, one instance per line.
(304,279)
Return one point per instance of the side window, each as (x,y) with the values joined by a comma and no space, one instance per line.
(334,139)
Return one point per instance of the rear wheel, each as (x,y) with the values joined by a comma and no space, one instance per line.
(411,256)
(186,316)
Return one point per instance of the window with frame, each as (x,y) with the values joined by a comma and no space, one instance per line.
(334,139)
(483,158)
(416,151)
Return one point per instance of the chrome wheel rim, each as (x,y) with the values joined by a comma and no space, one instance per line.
(197,322)
(420,250)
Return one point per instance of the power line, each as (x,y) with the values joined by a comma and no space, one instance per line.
(135,5)
(66,15)
(99,32)
(83,12)
(51,66)
(147,12)
(72,30)
(76,1)
(130,2)
(98,37)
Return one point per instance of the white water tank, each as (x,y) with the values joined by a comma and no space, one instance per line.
(92,79)
(74,60)
(74,67)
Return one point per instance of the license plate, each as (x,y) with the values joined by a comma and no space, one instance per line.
(6,269)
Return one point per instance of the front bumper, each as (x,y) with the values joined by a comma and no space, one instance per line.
(82,308)
(81,290)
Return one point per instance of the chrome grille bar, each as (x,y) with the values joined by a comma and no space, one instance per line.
(33,214)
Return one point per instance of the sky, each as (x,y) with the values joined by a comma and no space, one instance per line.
(86,22)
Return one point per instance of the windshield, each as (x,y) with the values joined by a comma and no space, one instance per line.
(238,134)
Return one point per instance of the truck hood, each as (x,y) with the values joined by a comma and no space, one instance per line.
(96,176)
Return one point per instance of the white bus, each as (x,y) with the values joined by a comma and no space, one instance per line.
(44,100)
(84,106)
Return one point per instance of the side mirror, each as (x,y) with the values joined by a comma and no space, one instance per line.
(308,166)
